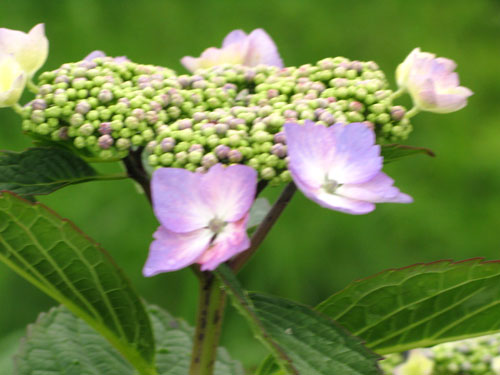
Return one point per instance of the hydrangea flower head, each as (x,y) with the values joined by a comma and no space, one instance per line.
(432,82)
(339,167)
(29,49)
(202,216)
(12,80)
(238,48)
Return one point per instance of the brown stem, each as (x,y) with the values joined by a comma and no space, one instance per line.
(239,261)
(136,171)
(208,325)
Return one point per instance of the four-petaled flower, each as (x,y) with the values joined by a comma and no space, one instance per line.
(432,82)
(339,167)
(203,216)
(238,48)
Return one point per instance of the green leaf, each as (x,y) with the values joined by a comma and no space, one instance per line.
(421,305)
(56,257)
(60,343)
(42,170)
(392,152)
(302,340)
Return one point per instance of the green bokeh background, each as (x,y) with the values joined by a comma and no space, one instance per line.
(312,252)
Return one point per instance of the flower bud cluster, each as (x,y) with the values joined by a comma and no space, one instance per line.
(226,114)
(478,356)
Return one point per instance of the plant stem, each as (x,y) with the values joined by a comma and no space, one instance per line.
(412,112)
(397,94)
(18,108)
(32,87)
(136,171)
(239,261)
(208,325)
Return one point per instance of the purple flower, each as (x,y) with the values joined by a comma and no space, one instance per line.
(100,54)
(202,216)
(432,82)
(339,167)
(238,48)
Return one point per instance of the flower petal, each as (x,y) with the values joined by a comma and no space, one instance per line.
(231,241)
(379,189)
(177,200)
(229,191)
(234,36)
(94,55)
(342,204)
(357,158)
(262,50)
(311,151)
(172,251)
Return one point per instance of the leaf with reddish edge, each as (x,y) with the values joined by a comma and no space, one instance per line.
(55,256)
(420,305)
(393,152)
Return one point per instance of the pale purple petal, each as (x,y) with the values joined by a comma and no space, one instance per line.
(231,241)
(190,63)
(177,200)
(229,191)
(234,36)
(94,55)
(262,50)
(357,158)
(339,203)
(379,189)
(172,251)
(311,151)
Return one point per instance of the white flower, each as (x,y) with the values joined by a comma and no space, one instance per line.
(432,82)
(12,80)
(29,49)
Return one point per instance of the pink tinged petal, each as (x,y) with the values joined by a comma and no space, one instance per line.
(311,152)
(231,241)
(177,200)
(229,191)
(262,50)
(172,251)
(190,63)
(357,157)
(234,36)
(379,189)
(342,204)
(453,101)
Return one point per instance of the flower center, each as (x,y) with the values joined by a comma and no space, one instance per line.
(330,186)
(216,225)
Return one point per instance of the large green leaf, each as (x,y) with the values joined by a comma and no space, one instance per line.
(56,257)
(60,343)
(42,170)
(392,152)
(421,305)
(302,340)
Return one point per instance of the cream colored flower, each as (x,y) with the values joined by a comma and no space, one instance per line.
(432,82)
(29,49)
(12,80)
(416,364)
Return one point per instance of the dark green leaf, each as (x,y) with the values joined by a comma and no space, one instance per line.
(56,257)
(421,305)
(394,152)
(60,343)
(42,170)
(302,340)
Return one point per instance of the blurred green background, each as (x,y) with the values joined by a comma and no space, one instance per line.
(312,252)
